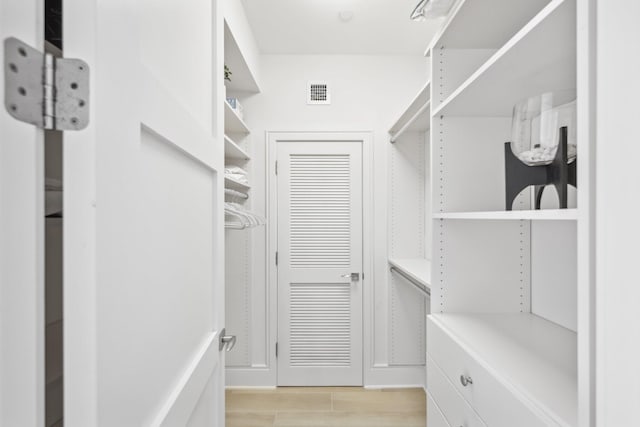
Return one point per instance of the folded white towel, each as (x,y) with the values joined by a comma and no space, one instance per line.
(235,170)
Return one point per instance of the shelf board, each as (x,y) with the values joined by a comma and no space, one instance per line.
(484,24)
(542,214)
(232,122)
(540,58)
(232,184)
(242,78)
(419,269)
(233,150)
(535,358)
(411,114)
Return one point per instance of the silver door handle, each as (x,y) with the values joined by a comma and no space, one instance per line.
(465,380)
(355,277)
(227,342)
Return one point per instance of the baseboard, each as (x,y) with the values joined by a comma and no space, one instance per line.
(395,376)
(250,377)
(376,377)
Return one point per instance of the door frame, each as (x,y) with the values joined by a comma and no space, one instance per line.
(367,283)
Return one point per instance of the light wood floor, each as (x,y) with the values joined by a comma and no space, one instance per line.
(326,407)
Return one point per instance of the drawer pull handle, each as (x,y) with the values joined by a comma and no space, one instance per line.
(465,380)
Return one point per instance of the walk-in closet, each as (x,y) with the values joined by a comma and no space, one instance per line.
(336,213)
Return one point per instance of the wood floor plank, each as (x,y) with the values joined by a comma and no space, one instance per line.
(326,407)
(379,402)
(250,419)
(294,402)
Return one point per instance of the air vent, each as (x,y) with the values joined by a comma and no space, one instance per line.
(318,93)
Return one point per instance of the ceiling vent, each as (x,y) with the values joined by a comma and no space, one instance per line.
(318,93)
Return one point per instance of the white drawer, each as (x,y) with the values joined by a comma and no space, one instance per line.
(495,404)
(455,409)
(434,416)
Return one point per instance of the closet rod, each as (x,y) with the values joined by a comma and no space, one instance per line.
(406,126)
(418,286)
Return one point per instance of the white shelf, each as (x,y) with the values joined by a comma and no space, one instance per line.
(419,269)
(542,214)
(530,355)
(232,184)
(242,77)
(539,58)
(484,24)
(416,117)
(232,122)
(233,151)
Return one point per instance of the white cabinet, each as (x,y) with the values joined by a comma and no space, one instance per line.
(504,331)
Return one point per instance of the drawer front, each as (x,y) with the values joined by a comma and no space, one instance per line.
(434,416)
(455,409)
(496,405)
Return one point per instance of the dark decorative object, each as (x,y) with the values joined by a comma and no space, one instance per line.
(559,173)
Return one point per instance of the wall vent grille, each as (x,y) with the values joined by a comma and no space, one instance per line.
(318,93)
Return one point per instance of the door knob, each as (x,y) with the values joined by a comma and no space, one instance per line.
(353,276)
(465,380)
(227,342)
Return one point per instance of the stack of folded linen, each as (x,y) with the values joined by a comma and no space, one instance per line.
(237,174)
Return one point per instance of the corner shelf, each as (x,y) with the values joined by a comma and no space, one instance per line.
(232,122)
(542,214)
(232,184)
(518,69)
(418,269)
(416,117)
(233,150)
(533,357)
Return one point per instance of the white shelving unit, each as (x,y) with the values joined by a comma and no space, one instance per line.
(232,121)
(233,150)
(417,116)
(239,291)
(505,282)
(544,214)
(409,231)
(417,269)
(516,72)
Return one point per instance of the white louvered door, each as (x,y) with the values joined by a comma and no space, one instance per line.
(319,246)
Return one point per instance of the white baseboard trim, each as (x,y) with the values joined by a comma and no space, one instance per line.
(376,377)
(251,387)
(250,377)
(395,376)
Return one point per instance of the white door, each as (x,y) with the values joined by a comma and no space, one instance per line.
(143,232)
(320,227)
(21,240)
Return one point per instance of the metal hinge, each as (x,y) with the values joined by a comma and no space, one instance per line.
(45,91)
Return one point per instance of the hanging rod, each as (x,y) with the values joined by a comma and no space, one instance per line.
(404,128)
(419,286)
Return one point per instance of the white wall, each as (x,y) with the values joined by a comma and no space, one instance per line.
(368,93)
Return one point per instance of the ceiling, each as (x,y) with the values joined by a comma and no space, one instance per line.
(315,27)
